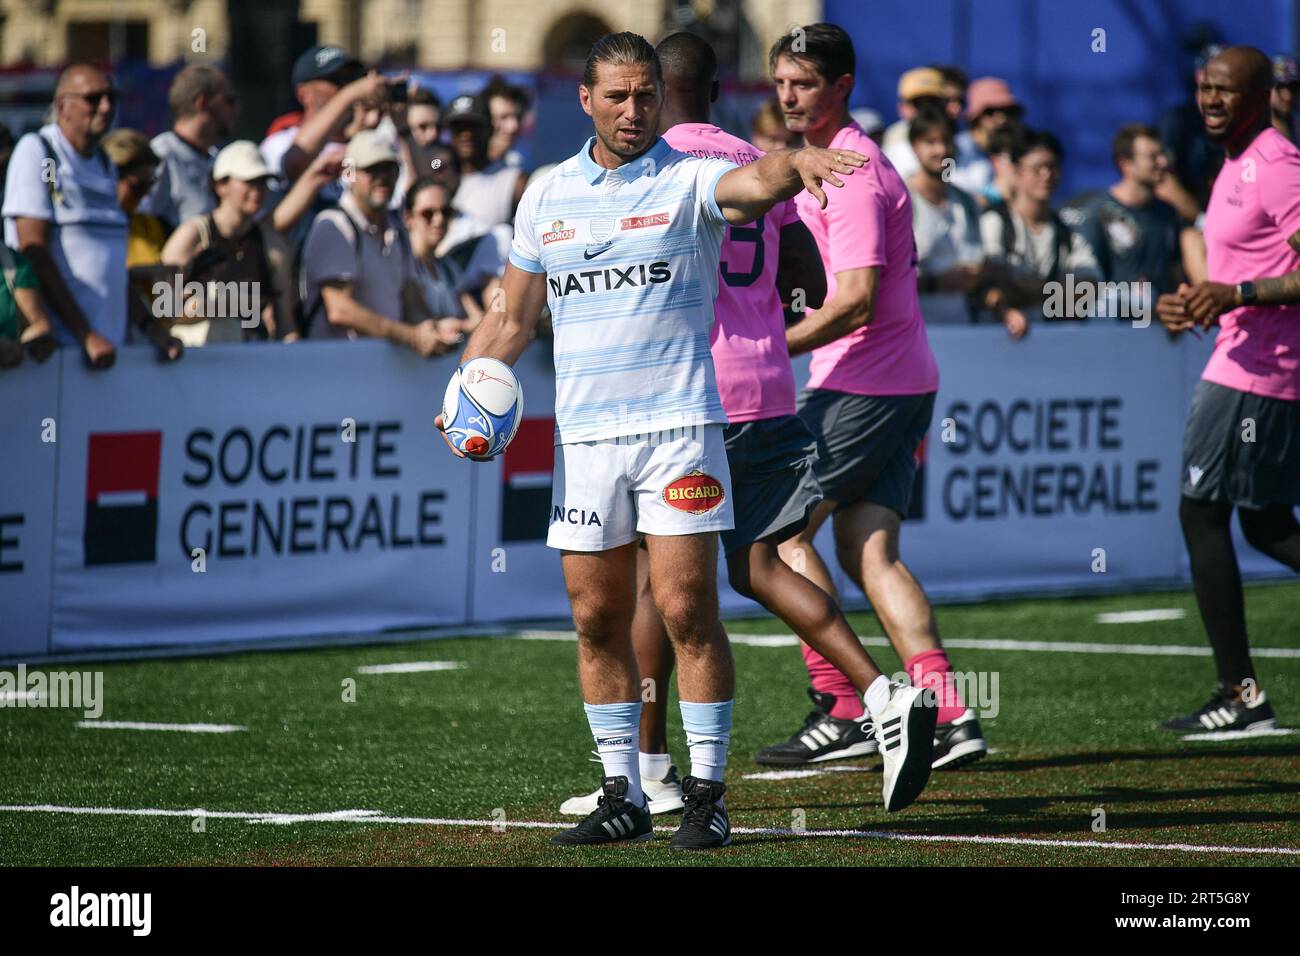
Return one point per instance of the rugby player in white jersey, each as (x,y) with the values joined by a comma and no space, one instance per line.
(622,242)
(771,454)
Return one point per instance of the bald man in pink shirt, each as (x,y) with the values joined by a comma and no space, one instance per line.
(1241,447)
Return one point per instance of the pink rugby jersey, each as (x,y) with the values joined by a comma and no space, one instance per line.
(869,223)
(1254,208)
(748,337)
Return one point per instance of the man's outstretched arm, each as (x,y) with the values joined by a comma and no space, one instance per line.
(746,193)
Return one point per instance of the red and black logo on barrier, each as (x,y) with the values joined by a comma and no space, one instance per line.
(695,493)
(526,481)
(122,497)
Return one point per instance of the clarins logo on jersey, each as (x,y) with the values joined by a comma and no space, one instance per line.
(611,279)
(644,222)
(696,493)
(557,233)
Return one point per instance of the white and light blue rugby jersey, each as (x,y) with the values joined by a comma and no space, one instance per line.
(631,262)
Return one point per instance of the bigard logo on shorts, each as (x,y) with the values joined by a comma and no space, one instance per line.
(122,497)
(696,493)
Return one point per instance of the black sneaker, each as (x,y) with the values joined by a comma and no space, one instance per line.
(705,824)
(959,743)
(822,737)
(1225,712)
(615,820)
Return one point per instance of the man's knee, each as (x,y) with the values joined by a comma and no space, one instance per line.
(866,547)
(1263,528)
(600,617)
(689,610)
(739,577)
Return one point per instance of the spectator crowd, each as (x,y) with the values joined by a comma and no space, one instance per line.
(375,211)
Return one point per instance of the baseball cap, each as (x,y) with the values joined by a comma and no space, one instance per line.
(466,108)
(240,160)
(322,63)
(922,81)
(1286,70)
(989,93)
(370,147)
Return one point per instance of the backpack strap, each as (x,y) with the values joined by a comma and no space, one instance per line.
(9,266)
(52,184)
(311,305)
(1061,239)
(205,233)
(1008,228)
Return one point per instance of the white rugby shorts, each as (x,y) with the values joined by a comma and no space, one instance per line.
(608,493)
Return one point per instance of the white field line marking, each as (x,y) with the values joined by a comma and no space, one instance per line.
(9,696)
(981,644)
(1239,734)
(753,640)
(146,725)
(372,816)
(1088,647)
(1142,617)
(766,640)
(797,774)
(782,774)
(410,667)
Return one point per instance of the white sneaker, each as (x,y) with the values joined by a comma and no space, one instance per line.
(905,730)
(664,796)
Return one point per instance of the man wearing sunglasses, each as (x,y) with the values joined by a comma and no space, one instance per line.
(990,106)
(61,212)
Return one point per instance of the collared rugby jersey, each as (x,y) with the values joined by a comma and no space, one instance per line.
(631,263)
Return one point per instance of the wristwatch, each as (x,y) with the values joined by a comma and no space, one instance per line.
(1247,292)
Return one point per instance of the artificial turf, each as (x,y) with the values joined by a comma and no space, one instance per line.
(504,738)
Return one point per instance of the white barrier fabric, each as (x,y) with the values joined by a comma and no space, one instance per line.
(29,435)
(1048,461)
(310,477)
(1051,462)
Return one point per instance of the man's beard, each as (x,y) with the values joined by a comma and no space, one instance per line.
(935,174)
(624,153)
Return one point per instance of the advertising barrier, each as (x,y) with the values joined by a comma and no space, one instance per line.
(255,493)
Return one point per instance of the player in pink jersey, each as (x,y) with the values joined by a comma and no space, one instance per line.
(770,453)
(1241,448)
(871,391)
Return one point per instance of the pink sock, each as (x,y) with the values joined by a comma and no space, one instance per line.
(827,680)
(931,669)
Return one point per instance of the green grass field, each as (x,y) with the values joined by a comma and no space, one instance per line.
(504,738)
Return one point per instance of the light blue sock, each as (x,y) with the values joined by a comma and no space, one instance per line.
(616,728)
(708,732)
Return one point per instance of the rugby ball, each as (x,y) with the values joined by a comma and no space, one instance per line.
(482,407)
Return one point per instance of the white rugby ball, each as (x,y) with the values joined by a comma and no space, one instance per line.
(482,408)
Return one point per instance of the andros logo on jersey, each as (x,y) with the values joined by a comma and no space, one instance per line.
(482,408)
